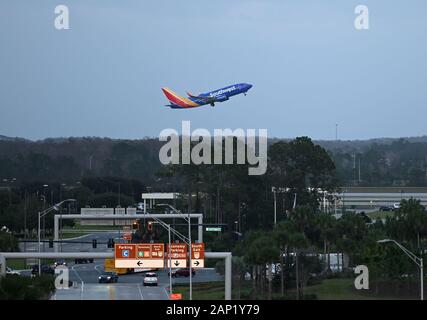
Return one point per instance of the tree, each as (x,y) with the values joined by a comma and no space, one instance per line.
(410,223)
(261,252)
(299,165)
(326,226)
(8,243)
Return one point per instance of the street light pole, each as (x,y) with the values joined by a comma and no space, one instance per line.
(422,276)
(38,232)
(273,189)
(170,260)
(417,260)
(275,208)
(41,215)
(191,263)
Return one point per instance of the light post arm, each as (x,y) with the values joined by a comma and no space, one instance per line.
(412,256)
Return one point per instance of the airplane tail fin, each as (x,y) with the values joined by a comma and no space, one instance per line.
(176,99)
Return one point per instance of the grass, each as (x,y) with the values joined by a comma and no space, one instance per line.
(69,235)
(79,227)
(380,214)
(201,291)
(16,264)
(337,289)
(20,264)
(78,230)
(329,289)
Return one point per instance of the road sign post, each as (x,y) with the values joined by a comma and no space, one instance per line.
(142,255)
(178,256)
(197,255)
(213,229)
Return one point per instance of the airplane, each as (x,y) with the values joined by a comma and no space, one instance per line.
(193,101)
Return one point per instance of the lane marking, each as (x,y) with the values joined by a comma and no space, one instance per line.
(77,274)
(140,292)
(167,294)
(111,293)
(96,267)
(81,292)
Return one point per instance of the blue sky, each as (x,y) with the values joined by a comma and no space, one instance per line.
(309,66)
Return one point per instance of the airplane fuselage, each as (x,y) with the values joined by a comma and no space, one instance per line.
(220,95)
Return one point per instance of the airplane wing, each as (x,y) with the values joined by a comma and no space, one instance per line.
(202,98)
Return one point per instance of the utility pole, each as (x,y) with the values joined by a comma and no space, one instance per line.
(119,193)
(273,189)
(189,246)
(170,260)
(359,170)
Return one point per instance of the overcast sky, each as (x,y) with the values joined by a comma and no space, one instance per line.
(310,68)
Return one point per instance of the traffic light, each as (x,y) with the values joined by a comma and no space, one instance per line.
(50,243)
(94,243)
(110,243)
(150,226)
(135,225)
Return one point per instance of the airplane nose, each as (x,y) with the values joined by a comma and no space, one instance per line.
(248,86)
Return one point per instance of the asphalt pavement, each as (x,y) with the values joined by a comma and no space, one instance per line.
(129,287)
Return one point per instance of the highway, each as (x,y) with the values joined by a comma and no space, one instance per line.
(129,287)
(116,291)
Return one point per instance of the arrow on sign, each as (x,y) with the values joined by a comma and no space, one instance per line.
(197,263)
(139,263)
(176,263)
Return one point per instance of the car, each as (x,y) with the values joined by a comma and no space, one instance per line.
(108,277)
(60,263)
(82,260)
(150,279)
(140,206)
(11,272)
(385,208)
(45,269)
(183,272)
(396,206)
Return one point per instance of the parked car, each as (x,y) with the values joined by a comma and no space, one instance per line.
(11,272)
(396,206)
(183,272)
(45,269)
(385,208)
(150,279)
(108,277)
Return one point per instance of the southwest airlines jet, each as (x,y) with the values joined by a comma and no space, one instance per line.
(192,101)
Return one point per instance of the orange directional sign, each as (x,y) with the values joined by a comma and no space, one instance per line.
(124,251)
(197,255)
(178,256)
(142,255)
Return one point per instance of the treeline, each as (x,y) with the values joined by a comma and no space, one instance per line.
(296,242)
(380,162)
(20,204)
(68,160)
(399,163)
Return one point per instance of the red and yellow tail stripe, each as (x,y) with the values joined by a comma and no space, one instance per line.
(178,100)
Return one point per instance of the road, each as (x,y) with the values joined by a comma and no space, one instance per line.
(129,287)
(73,244)
(116,291)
